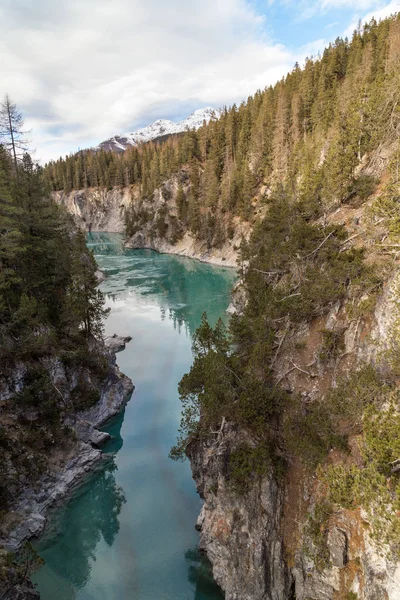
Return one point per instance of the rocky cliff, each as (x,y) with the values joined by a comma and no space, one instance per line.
(240,534)
(270,542)
(48,479)
(73,457)
(157,225)
(96,209)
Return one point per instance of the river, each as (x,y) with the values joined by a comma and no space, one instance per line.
(128,532)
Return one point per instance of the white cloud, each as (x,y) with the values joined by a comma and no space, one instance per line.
(380,12)
(84,70)
(87,69)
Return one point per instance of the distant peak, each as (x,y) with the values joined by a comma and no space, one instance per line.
(159,128)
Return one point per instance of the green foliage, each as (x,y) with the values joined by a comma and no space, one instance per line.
(309,131)
(316,532)
(38,392)
(84,396)
(352,396)
(363,187)
(376,484)
(181,204)
(135,219)
(295,271)
(161,224)
(49,306)
(50,289)
(309,431)
(298,268)
(246,464)
(78,356)
(332,345)
(84,304)
(20,566)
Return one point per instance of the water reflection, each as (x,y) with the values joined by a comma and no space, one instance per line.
(91,516)
(200,576)
(126,534)
(184,288)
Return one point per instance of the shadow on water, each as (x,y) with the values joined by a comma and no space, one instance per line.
(200,576)
(128,532)
(91,515)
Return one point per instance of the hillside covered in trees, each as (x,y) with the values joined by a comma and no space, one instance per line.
(312,130)
(53,360)
(291,415)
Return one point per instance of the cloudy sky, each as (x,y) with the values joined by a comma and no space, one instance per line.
(84,70)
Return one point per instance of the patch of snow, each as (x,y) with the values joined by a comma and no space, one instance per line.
(159,128)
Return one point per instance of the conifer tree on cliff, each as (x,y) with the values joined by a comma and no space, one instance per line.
(10,238)
(12,135)
(84,306)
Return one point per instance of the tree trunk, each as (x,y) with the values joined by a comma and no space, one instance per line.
(12,140)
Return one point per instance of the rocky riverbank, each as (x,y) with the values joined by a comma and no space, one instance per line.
(96,209)
(226,256)
(267,543)
(68,465)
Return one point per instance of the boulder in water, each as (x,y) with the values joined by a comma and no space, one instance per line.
(116,343)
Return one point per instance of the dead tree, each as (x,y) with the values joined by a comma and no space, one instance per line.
(12,135)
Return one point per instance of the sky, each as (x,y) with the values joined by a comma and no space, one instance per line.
(82,71)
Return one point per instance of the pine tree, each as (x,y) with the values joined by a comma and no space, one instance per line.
(84,303)
(12,135)
(10,240)
(181,204)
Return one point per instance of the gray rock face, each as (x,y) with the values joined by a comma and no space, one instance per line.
(100,276)
(99,438)
(240,534)
(33,503)
(337,544)
(117,343)
(104,210)
(96,209)
(90,435)
(239,300)
(114,395)
(242,537)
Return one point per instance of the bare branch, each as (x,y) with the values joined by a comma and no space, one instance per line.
(320,246)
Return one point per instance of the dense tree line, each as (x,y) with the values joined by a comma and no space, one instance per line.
(312,128)
(47,276)
(295,271)
(295,267)
(50,310)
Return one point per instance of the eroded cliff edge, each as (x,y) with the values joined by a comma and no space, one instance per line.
(153,222)
(279,539)
(39,485)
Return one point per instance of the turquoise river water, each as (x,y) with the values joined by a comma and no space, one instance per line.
(128,532)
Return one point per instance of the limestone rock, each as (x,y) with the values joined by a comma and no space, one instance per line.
(240,534)
(115,394)
(90,435)
(99,438)
(116,343)
(70,465)
(337,544)
(100,276)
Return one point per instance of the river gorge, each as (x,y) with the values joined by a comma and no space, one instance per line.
(128,532)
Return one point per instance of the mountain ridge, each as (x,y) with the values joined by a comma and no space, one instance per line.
(159,128)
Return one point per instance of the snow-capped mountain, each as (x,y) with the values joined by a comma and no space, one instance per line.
(159,128)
